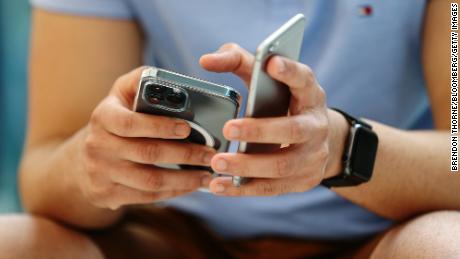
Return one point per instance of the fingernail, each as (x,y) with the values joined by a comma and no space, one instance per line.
(181,129)
(234,132)
(281,65)
(205,180)
(207,157)
(220,188)
(221,165)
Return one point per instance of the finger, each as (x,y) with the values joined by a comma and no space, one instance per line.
(281,130)
(120,195)
(223,186)
(154,179)
(125,87)
(155,151)
(230,58)
(161,196)
(287,162)
(283,163)
(126,123)
(300,79)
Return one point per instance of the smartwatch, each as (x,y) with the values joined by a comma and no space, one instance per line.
(360,151)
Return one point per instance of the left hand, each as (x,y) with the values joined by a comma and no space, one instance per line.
(314,133)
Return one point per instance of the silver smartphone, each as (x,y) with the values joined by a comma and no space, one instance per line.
(267,97)
(206,106)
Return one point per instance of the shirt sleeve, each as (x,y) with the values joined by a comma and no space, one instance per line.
(119,9)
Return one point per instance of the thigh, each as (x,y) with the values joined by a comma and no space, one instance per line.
(433,235)
(24,236)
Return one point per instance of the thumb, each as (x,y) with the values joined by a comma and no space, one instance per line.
(125,87)
(230,58)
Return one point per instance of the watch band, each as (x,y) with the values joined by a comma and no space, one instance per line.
(340,181)
(352,120)
(346,178)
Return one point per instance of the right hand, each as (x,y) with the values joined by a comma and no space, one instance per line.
(120,147)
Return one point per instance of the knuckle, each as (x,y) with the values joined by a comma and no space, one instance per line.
(284,188)
(149,152)
(119,81)
(230,46)
(200,155)
(194,181)
(163,128)
(266,188)
(323,128)
(91,166)
(253,131)
(242,191)
(92,144)
(92,197)
(309,75)
(97,194)
(126,123)
(189,153)
(95,118)
(89,147)
(240,167)
(283,167)
(154,181)
(297,131)
(321,96)
(290,68)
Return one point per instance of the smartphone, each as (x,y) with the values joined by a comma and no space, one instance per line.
(205,106)
(267,97)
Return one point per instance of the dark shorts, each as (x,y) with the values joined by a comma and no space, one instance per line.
(152,232)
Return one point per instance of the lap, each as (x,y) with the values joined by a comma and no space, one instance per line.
(149,232)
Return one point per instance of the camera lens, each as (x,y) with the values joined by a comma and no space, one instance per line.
(155,98)
(158,89)
(175,98)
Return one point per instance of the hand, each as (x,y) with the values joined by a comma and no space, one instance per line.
(314,133)
(120,147)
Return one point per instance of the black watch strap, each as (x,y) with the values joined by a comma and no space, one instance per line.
(340,181)
(352,120)
(346,178)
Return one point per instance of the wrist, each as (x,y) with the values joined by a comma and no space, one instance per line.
(339,130)
(86,215)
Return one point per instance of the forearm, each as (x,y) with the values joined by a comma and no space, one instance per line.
(47,187)
(411,175)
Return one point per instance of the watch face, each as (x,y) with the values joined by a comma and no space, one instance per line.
(364,149)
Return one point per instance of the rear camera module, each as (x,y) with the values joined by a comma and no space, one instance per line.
(165,96)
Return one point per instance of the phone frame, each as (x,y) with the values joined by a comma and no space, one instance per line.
(263,90)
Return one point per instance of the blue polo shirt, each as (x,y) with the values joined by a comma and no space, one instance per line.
(366,55)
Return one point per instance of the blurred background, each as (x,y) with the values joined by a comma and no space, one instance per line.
(14,33)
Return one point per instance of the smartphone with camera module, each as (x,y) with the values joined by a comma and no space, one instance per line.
(206,106)
(267,97)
